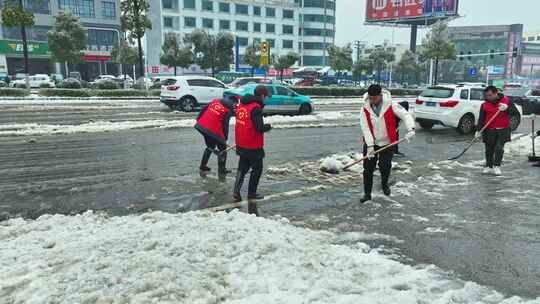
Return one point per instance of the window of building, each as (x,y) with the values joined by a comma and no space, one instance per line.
(256,41)
(257,27)
(190,22)
(270,12)
(318,32)
(224,24)
(168,22)
(101,40)
(37,6)
(288,14)
(314,45)
(256,11)
(270,28)
(81,8)
(319,4)
(318,18)
(243,41)
(168,4)
(224,7)
(288,29)
(288,44)
(241,9)
(109,10)
(271,42)
(242,26)
(208,23)
(207,5)
(190,4)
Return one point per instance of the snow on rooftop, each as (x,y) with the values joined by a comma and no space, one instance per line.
(202,257)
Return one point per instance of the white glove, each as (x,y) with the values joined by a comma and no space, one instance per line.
(370,151)
(410,135)
(503,107)
(477,134)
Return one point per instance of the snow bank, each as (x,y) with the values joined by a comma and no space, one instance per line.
(280,122)
(207,258)
(522,146)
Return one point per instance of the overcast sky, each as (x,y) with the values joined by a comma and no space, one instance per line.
(351,15)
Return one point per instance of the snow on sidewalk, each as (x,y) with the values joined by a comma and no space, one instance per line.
(322,119)
(207,258)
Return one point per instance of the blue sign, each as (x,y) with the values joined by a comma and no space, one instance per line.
(496,70)
(473,71)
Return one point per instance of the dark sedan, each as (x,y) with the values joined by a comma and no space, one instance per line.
(528,99)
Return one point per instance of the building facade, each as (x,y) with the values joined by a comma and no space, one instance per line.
(303,26)
(317,31)
(250,21)
(483,40)
(100,17)
(532,37)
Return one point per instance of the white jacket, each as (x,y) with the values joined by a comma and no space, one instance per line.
(379,135)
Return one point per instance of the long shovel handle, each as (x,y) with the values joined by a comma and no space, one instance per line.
(533,135)
(374,153)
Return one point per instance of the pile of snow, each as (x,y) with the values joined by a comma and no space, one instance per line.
(335,163)
(522,146)
(279,170)
(207,258)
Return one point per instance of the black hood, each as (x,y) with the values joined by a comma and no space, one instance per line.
(251,99)
(228,102)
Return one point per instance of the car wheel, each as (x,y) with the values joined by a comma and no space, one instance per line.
(305,109)
(466,124)
(188,104)
(515,121)
(426,125)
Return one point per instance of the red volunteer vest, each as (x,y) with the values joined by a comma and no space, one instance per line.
(212,118)
(246,135)
(502,121)
(390,121)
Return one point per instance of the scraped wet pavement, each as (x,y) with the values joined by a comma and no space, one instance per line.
(485,229)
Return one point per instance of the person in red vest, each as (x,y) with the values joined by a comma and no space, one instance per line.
(213,124)
(498,132)
(378,122)
(249,134)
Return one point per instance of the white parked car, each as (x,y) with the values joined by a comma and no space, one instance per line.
(185,93)
(455,106)
(36,81)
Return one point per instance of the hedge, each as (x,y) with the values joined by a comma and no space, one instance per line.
(97,93)
(341,92)
(10,92)
(64,92)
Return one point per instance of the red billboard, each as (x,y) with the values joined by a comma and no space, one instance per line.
(409,10)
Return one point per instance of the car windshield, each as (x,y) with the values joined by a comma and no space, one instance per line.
(438,92)
(515,92)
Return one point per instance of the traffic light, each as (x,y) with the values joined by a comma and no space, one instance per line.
(461,55)
(492,54)
(515,52)
(470,55)
(264,48)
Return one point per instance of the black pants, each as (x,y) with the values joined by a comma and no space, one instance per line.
(212,143)
(256,166)
(385,167)
(495,140)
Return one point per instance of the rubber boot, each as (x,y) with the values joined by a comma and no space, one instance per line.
(252,208)
(386,189)
(222,164)
(237,197)
(365,199)
(204,161)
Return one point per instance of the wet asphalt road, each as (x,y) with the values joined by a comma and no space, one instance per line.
(484,229)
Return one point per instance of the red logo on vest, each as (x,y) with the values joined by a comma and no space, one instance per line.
(246,135)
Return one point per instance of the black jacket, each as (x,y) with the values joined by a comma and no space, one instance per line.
(258,123)
(229,104)
(491,135)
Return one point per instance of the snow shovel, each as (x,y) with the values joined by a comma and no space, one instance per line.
(347,167)
(219,153)
(474,139)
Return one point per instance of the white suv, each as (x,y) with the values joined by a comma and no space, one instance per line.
(455,106)
(185,93)
(36,81)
